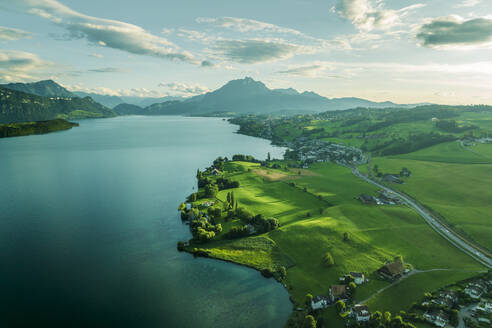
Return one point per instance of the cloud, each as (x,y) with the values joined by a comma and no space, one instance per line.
(183,89)
(96,55)
(10,34)
(367,17)
(106,32)
(454,31)
(260,41)
(312,70)
(107,70)
(20,66)
(257,51)
(246,25)
(467,4)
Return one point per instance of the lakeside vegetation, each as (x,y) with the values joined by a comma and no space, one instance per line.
(318,213)
(40,127)
(432,153)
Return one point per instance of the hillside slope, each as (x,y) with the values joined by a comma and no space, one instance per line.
(16,106)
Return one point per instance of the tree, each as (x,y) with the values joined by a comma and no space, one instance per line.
(399,258)
(346,236)
(268,156)
(454,317)
(352,286)
(282,273)
(218,228)
(386,318)
(211,190)
(181,207)
(309,322)
(340,305)
(328,259)
(308,299)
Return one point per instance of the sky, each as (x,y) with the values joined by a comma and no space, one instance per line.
(403,51)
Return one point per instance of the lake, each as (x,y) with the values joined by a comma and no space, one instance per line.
(89,226)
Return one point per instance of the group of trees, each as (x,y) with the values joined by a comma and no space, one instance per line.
(386,320)
(211,187)
(245,158)
(452,126)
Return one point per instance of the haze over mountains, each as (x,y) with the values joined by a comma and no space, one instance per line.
(240,96)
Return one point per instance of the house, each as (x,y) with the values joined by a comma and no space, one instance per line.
(438,318)
(320,302)
(361,313)
(366,199)
(188,206)
(434,119)
(208,204)
(216,172)
(358,277)
(338,292)
(485,306)
(446,298)
(393,178)
(473,292)
(392,270)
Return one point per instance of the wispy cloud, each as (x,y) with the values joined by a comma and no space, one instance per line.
(107,70)
(106,32)
(183,89)
(10,34)
(258,51)
(467,4)
(368,15)
(454,31)
(260,42)
(310,70)
(20,66)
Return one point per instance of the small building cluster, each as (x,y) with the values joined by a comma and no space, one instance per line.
(310,151)
(392,270)
(384,198)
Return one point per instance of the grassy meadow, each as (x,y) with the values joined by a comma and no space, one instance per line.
(316,207)
(445,179)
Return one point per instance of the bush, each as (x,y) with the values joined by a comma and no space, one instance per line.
(328,259)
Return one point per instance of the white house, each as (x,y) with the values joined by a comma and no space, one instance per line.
(358,277)
(361,313)
(437,318)
(320,302)
(485,306)
(473,292)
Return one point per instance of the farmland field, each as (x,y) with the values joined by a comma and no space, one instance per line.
(315,210)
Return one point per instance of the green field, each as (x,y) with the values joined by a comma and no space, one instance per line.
(328,193)
(452,152)
(457,191)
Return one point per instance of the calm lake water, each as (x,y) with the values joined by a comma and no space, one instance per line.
(88,229)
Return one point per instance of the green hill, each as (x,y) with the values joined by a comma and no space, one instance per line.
(46,88)
(28,128)
(16,106)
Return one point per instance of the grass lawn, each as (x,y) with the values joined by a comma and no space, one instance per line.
(451,152)
(459,192)
(328,193)
(402,295)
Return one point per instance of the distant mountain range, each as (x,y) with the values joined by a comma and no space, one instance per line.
(18,106)
(249,96)
(242,96)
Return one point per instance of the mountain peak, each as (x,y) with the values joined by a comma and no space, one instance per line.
(243,87)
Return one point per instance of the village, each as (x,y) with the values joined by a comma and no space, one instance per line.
(310,151)
(342,295)
(467,304)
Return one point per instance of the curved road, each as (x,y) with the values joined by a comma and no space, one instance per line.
(436,225)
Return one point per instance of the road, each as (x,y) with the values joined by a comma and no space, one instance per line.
(435,224)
